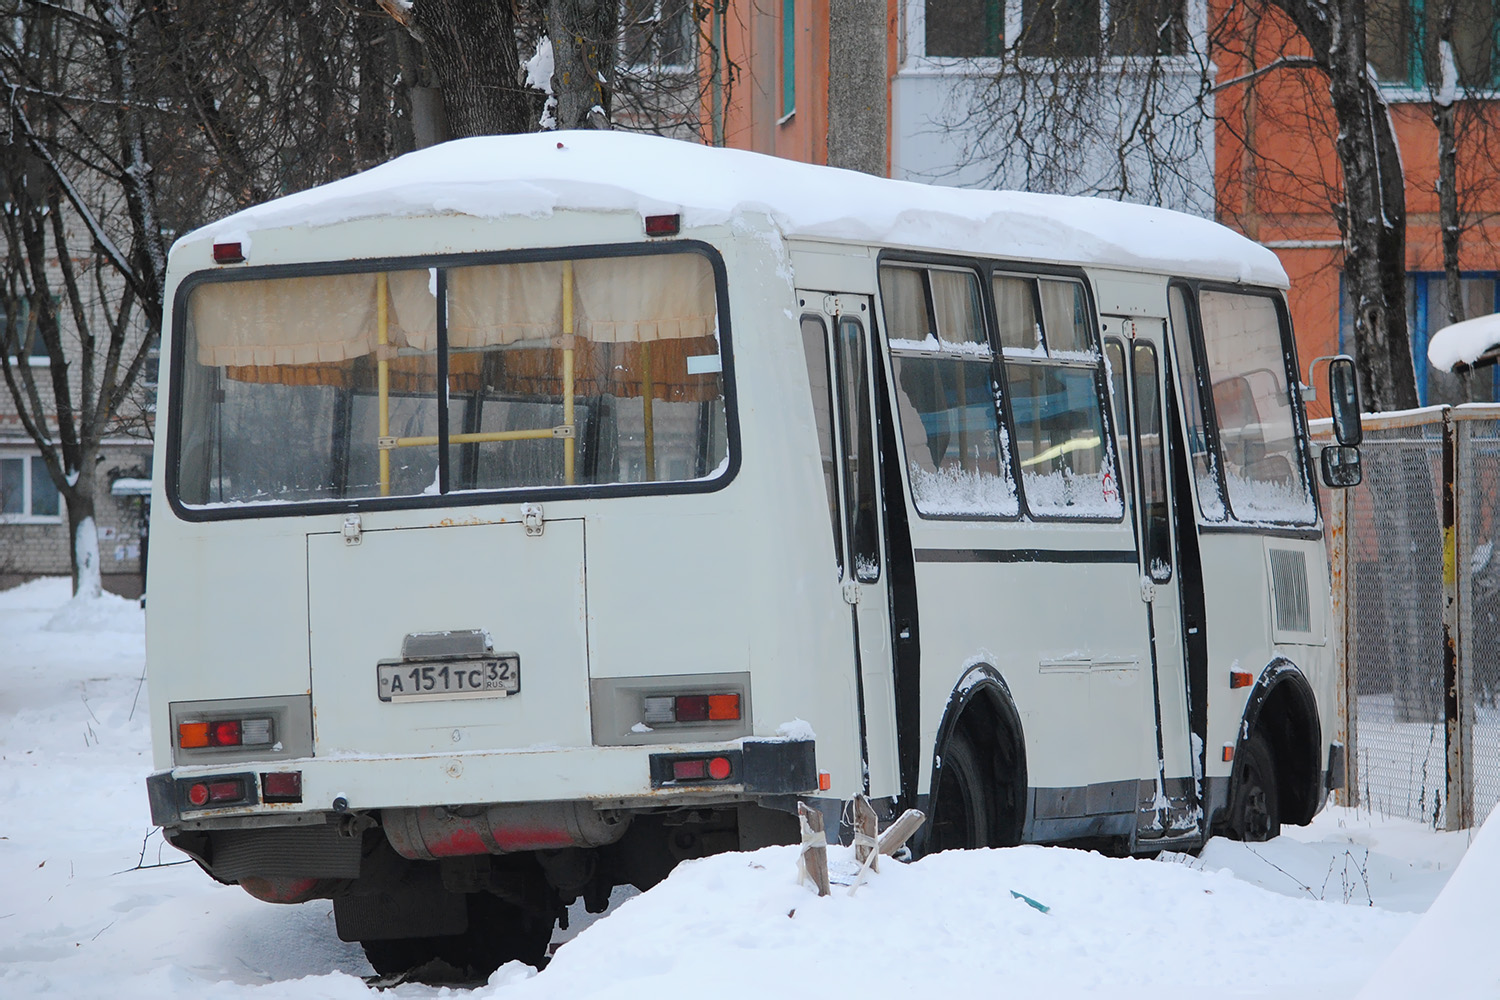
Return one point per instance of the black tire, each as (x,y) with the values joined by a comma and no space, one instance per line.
(1254,800)
(961,805)
(498,932)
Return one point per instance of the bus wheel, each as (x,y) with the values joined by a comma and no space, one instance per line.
(498,932)
(1254,804)
(960,808)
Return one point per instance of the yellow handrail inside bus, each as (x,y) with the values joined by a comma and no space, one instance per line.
(565,431)
(383,380)
(569,447)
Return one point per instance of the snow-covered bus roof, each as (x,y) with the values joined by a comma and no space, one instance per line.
(537,174)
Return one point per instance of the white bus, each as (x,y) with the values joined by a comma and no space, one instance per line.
(535,512)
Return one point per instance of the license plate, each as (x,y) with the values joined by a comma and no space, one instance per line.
(491,677)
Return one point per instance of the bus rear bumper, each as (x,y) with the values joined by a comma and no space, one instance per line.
(591,778)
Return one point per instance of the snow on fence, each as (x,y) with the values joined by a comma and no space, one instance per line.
(1416,580)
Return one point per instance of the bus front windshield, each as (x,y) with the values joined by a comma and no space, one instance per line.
(555,373)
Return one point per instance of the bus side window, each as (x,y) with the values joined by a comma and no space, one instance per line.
(859,451)
(815,347)
(1205,471)
(1067,467)
(947,392)
(1114,370)
(1154,511)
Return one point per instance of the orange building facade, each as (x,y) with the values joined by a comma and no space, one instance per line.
(1274,172)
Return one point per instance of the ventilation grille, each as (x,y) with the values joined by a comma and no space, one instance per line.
(1289,583)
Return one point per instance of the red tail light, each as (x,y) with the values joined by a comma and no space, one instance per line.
(281,786)
(689,770)
(224,734)
(228,253)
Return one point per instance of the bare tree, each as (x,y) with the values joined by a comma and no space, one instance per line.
(1119,105)
(125,123)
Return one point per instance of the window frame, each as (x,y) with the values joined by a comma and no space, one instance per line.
(1199,371)
(1414,88)
(1194,37)
(1036,274)
(986,269)
(656,64)
(29,459)
(465,498)
(976,269)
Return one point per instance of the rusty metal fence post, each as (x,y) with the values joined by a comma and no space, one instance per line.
(1459,814)
(1418,633)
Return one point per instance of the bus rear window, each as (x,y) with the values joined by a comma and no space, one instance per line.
(557,373)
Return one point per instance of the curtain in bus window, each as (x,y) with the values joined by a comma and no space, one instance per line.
(296,321)
(903,293)
(298,360)
(1257,429)
(1065,318)
(1015,309)
(955,303)
(1205,466)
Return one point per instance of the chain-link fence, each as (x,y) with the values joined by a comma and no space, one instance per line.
(1416,567)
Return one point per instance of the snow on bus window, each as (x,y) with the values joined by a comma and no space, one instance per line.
(559,373)
(947,397)
(1252,403)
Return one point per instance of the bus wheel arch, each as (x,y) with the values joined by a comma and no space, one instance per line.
(1281,723)
(980,740)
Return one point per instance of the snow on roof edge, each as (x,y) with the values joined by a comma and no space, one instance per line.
(1463,343)
(538,174)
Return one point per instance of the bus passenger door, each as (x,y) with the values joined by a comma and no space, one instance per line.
(836,334)
(1137,351)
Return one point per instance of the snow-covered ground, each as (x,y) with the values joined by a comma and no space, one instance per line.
(92,904)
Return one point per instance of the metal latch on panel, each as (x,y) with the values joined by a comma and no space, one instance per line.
(353,530)
(851,593)
(1148,589)
(831,305)
(531,516)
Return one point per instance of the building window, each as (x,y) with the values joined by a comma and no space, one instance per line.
(26,490)
(27,330)
(657,34)
(965,28)
(1403,36)
(1426,314)
(788,58)
(1054,29)
(1060,29)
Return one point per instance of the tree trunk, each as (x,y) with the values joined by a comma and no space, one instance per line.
(82,530)
(471,45)
(1372,218)
(583,34)
(1443,82)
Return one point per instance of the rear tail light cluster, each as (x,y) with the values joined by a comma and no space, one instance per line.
(212,733)
(724,767)
(689,708)
(240,789)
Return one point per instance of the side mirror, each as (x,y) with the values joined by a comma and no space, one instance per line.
(1341,468)
(1343,394)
